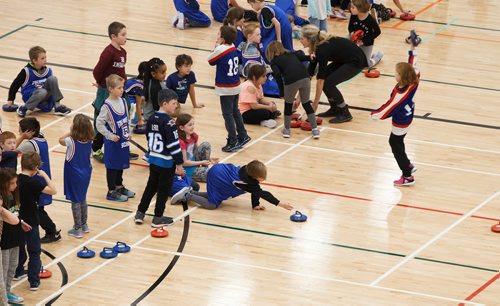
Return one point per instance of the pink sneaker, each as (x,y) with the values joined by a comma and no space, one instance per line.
(405,181)
(413,168)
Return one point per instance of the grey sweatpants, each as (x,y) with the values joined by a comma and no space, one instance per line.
(10,258)
(202,152)
(40,95)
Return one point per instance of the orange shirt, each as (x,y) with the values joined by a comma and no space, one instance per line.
(246,98)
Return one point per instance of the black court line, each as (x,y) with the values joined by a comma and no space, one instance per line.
(169,268)
(14,31)
(64,274)
(39,19)
(138,145)
(426,115)
(457,25)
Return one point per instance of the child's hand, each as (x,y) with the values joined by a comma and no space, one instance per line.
(205,163)
(199,105)
(273,107)
(260,207)
(286,205)
(116,138)
(179,170)
(95,84)
(27,134)
(25,226)
(359,43)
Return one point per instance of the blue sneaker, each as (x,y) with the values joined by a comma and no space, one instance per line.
(14,299)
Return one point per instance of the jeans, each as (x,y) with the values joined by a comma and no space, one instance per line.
(159,183)
(320,24)
(232,118)
(34,248)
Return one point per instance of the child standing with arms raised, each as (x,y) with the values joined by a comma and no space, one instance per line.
(362,20)
(113,124)
(401,108)
(227,87)
(77,171)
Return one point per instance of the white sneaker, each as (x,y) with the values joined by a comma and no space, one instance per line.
(375,59)
(180,196)
(181,23)
(271,123)
(175,19)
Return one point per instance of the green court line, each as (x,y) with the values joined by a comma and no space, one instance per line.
(13,31)
(129,39)
(441,29)
(298,238)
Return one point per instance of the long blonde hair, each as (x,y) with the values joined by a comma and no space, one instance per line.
(315,36)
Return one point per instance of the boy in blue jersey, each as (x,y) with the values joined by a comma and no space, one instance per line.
(182,81)
(227,87)
(165,159)
(39,87)
(189,15)
(29,129)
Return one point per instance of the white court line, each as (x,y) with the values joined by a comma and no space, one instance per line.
(416,140)
(434,239)
(304,275)
(294,146)
(383,157)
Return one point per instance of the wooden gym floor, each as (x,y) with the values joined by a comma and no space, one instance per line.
(365,243)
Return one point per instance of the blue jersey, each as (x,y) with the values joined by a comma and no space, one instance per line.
(191,10)
(117,154)
(180,182)
(42,148)
(288,6)
(220,183)
(163,141)
(77,170)
(219,9)
(268,32)
(227,78)
(35,80)
(181,85)
(133,88)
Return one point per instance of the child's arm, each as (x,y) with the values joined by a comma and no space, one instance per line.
(14,87)
(374,33)
(277,26)
(100,124)
(139,101)
(51,187)
(277,76)
(192,96)
(400,6)
(215,56)
(62,139)
(105,60)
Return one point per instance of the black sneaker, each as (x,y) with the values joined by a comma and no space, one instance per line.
(344,116)
(49,238)
(331,112)
(34,286)
(139,217)
(230,147)
(18,277)
(161,221)
(133,156)
(244,140)
(124,191)
(62,110)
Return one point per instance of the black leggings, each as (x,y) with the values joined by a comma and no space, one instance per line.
(159,183)
(398,149)
(336,75)
(255,116)
(114,178)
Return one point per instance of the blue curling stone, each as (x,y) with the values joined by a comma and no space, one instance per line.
(121,247)
(85,253)
(108,253)
(298,217)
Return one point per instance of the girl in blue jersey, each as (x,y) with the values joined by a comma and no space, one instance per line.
(401,108)
(189,15)
(77,171)
(274,24)
(113,124)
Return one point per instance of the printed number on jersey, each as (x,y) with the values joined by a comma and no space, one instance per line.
(233,66)
(155,142)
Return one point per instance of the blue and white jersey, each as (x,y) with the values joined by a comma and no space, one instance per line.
(268,31)
(35,80)
(163,141)
(219,9)
(42,148)
(180,182)
(133,88)
(220,183)
(77,169)
(227,79)
(117,154)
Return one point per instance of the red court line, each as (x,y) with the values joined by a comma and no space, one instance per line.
(347,196)
(416,14)
(482,288)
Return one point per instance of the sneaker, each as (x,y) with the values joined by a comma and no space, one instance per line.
(116,196)
(344,116)
(340,14)
(175,19)
(85,228)
(405,181)
(146,157)
(271,123)
(286,133)
(34,286)
(413,168)
(414,39)
(243,141)
(98,156)
(315,133)
(21,111)
(18,277)
(161,221)
(375,59)
(49,238)
(331,112)
(181,23)
(133,156)
(139,217)
(62,110)
(14,299)
(180,195)
(230,147)
(126,192)
(77,233)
